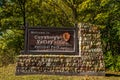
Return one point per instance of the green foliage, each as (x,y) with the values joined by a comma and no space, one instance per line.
(10,46)
(105,13)
(112,62)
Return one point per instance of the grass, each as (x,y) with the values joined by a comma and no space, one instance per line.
(8,73)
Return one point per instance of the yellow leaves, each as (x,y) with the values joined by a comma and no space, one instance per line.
(2,43)
(83,6)
(36,1)
(88,5)
(102,26)
(102,17)
(3,21)
(88,16)
(104,2)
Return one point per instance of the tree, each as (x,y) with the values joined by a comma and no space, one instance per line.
(66,13)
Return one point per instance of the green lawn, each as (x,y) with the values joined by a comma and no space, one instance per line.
(8,73)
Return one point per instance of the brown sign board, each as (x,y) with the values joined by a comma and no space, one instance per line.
(52,40)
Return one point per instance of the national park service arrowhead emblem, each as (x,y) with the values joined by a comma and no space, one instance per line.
(66,36)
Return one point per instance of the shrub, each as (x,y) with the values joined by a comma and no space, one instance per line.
(112,62)
(10,46)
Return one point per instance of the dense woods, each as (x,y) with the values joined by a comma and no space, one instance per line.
(59,13)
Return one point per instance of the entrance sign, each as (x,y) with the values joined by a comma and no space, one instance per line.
(52,40)
(80,47)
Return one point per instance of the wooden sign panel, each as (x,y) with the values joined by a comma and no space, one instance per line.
(52,40)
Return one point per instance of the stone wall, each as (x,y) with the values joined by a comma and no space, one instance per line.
(88,62)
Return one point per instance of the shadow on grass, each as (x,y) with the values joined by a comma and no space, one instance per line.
(109,75)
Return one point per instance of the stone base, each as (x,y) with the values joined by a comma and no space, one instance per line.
(59,65)
(65,74)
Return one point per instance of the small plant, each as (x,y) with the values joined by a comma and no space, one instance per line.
(112,61)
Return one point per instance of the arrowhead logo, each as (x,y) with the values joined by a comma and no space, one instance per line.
(66,36)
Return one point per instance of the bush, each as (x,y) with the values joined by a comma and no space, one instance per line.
(10,46)
(112,62)
(7,56)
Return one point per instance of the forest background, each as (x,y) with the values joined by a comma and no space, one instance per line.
(59,13)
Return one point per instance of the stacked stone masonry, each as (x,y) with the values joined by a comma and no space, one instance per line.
(88,62)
